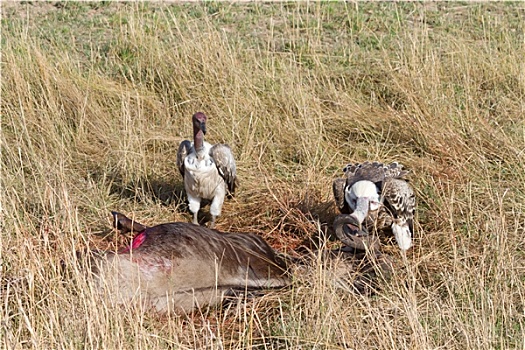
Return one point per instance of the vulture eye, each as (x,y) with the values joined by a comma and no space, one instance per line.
(374,205)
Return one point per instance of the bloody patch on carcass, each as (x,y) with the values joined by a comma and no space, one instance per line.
(137,242)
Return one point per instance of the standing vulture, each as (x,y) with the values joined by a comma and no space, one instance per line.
(373,197)
(208,171)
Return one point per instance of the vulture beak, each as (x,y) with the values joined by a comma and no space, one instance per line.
(361,211)
(202,126)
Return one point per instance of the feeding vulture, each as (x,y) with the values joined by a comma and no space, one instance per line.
(374,196)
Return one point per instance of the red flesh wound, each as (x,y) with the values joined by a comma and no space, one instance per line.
(137,242)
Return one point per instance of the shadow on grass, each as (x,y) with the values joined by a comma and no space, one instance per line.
(145,190)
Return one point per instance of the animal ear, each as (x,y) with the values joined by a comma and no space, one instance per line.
(124,224)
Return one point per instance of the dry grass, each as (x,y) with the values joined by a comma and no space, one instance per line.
(96,98)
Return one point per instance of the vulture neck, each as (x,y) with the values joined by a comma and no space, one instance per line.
(198,142)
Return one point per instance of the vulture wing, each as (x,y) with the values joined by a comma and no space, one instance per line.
(223,157)
(398,197)
(373,171)
(184,149)
(338,186)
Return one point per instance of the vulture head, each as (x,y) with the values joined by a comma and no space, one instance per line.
(362,197)
(199,123)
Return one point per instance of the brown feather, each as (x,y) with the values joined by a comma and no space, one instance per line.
(338,187)
(225,162)
(184,149)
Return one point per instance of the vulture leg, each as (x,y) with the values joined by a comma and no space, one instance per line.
(195,204)
(212,223)
(216,205)
(195,219)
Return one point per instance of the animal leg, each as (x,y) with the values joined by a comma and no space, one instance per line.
(402,234)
